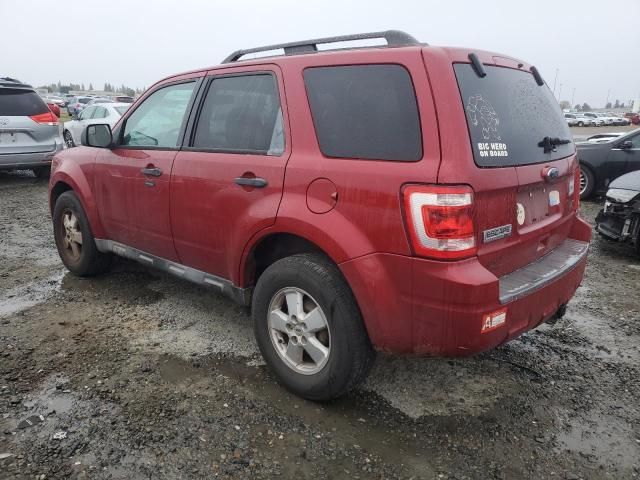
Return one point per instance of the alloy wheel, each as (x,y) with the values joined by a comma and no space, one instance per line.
(71,235)
(584,182)
(299,330)
(68,140)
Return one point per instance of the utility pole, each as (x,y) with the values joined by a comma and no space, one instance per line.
(559,92)
(573,95)
(608,92)
(554,81)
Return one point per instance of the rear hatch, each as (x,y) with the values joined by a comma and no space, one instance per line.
(524,170)
(26,123)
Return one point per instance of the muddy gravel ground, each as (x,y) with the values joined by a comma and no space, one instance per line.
(136,375)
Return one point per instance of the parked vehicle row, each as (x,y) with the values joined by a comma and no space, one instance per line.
(591,119)
(274,197)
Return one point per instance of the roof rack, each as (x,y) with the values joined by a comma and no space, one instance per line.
(394,38)
(13,82)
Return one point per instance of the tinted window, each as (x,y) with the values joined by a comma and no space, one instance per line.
(84,100)
(157,121)
(241,114)
(508,114)
(21,103)
(365,111)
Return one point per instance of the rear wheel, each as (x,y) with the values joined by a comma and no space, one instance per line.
(68,139)
(587,182)
(42,172)
(74,240)
(309,328)
(581,124)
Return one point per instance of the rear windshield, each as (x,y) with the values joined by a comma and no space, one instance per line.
(508,115)
(85,100)
(18,103)
(121,110)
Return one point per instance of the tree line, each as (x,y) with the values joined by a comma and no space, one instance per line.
(108,87)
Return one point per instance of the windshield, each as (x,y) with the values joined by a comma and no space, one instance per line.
(509,116)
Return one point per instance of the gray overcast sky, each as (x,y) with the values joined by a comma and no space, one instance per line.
(593,43)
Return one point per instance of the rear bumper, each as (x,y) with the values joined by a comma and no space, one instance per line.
(28,160)
(413,305)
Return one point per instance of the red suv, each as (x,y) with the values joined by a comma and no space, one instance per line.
(403,198)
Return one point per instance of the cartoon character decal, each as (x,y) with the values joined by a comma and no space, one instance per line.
(481,112)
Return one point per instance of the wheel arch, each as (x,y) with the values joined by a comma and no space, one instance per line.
(271,247)
(62,182)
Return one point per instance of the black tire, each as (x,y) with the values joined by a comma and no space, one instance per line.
(581,124)
(350,354)
(42,172)
(90,261)
(589,178)
(68,139)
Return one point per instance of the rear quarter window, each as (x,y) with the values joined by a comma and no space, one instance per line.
(508,114)
(365,112)
(18,103)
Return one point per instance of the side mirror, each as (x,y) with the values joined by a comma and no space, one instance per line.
(626,145)
(98,135)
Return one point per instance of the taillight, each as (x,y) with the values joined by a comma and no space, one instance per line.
(440,221)
(47,118)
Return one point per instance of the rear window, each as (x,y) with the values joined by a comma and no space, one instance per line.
(508,115)
(365,112)
(85,100)
(18,103)
(121,110)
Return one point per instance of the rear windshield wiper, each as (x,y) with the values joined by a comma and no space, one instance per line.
(550,143)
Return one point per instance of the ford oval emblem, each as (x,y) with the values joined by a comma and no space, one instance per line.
(550,173)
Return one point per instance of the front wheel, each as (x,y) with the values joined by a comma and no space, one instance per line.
(42,172)
(74,240)
(309,328)
(581,124)
(68,139)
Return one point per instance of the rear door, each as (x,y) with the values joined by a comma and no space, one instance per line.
(227,180)
(523,165)
(26,123)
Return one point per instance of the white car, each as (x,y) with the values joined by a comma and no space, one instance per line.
(597,118)
(103,113)
(578,120)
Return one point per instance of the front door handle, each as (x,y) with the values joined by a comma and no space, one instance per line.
(152,171)
(255,182)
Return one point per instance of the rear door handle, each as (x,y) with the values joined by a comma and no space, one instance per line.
(255,182)
(152,171)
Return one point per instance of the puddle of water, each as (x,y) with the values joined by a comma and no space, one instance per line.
(348,418)
(26,296)
(606,439)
